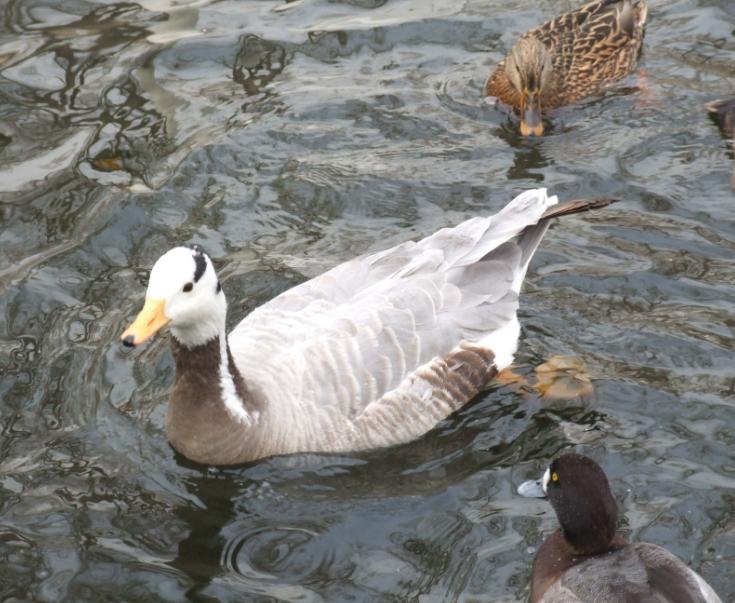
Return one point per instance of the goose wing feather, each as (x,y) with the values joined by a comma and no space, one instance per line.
(344,340)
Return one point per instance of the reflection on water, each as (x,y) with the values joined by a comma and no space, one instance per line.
(285,137)
(199,553)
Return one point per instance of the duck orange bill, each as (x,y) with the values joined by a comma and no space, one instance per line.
(531,118)
(150,320)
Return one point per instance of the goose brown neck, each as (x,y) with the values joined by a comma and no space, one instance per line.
(200,358)
(199,425)
(206,359)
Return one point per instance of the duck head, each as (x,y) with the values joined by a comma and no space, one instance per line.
(185,294)
(579,492)
(530,70)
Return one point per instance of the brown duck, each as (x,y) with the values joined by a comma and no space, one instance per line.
(569,58)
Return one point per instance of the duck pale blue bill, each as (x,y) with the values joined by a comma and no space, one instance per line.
(534,488)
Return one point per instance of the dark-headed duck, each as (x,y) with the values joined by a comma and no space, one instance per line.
(587,560)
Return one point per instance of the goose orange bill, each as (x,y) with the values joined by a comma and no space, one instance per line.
(149,321)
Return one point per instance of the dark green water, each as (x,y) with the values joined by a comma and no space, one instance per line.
(285,137)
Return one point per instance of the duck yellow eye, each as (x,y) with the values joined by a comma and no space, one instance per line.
(555,477)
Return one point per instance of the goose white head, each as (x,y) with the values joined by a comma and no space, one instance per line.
(183,292)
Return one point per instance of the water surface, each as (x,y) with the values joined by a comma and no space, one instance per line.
(284,137)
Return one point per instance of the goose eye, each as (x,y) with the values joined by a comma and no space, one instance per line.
(188,287)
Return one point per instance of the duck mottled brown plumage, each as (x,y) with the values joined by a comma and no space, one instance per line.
(569,58)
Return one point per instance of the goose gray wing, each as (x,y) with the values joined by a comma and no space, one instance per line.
(637,573)
(406,333)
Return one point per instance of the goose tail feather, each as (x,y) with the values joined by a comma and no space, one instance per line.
(577,206)
(530,238)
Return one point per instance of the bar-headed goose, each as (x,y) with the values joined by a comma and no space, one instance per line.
(587,559)
(371,353)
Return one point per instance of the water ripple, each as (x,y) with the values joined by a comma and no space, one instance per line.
(285,136)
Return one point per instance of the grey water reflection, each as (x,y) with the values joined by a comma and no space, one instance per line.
(200,552)
(285,137)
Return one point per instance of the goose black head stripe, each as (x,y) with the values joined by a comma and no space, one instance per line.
(199,261)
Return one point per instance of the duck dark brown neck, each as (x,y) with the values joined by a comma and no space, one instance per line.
(201,424)
(591,540)
(588,520)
